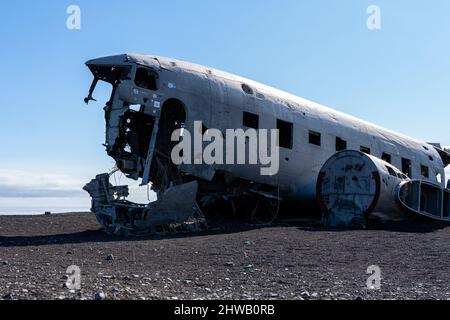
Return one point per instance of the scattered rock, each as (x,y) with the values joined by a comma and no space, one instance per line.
(305,295)
(109,257)
(8,296)
(274,295)
(100,296)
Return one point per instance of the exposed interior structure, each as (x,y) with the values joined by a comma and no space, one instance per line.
(349,170)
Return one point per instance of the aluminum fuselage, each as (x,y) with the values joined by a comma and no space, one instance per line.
(218,100)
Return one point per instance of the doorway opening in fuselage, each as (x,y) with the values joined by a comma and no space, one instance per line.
(164,172)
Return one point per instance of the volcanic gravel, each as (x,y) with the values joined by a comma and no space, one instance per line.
(229,261)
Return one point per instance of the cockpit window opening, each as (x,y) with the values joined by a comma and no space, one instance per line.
(146,78)
(110,74)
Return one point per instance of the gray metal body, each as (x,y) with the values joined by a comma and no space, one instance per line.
(183,92)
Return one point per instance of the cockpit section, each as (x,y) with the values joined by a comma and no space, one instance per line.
(131,113)
(139,124)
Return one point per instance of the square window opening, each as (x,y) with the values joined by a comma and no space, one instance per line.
(406,167)
(365,149)
(340,144)
(424,171)
(146,78)
(386,157)
(250,120)
(315,138)
(285,133)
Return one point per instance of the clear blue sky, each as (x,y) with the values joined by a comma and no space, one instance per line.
(397,77)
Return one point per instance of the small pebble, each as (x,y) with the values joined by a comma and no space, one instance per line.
(100,296)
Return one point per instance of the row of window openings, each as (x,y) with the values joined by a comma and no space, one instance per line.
(285,128)
(315,138)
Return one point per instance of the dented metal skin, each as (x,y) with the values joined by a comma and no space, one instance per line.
(152,96)
(354,187)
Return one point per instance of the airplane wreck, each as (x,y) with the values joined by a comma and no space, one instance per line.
(351,171)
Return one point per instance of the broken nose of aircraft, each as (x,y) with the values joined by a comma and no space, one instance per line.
(175,208)
(108,69)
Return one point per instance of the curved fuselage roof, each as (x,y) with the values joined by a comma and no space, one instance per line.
(291,100)
(296,107)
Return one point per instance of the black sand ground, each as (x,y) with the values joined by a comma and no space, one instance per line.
(281,262)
